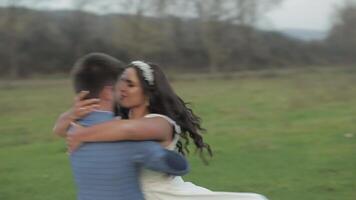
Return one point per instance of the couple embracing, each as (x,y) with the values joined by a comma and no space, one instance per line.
(127,133)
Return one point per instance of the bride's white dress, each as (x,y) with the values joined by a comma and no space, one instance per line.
(159,186)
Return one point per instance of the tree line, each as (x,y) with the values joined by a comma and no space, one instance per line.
(196,35)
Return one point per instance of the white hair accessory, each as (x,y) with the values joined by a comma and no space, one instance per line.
(146,69)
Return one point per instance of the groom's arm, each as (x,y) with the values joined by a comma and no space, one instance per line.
(152,156)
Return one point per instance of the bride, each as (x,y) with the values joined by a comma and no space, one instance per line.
(151,110)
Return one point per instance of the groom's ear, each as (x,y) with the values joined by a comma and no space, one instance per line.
(107,93)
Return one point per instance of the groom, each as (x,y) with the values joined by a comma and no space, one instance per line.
(109,170)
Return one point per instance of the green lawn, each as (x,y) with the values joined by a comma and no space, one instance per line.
(289,136)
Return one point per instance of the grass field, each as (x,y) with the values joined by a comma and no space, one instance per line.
(289,136)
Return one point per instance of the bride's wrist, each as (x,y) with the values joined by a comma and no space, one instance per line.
(71,116)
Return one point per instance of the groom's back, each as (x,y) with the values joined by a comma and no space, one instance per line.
(105,171)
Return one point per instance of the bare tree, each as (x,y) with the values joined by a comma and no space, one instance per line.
(14,29)
(342,35)
(216,16)
(142,32)
(10,26)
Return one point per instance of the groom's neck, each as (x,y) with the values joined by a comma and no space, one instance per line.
(106,105)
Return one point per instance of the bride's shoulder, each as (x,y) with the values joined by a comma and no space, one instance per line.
(170,121)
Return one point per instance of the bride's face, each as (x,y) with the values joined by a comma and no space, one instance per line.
(129,91)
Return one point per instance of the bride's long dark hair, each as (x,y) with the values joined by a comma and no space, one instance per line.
(163,100)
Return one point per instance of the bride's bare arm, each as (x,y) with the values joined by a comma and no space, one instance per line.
(62,124)
(80,108)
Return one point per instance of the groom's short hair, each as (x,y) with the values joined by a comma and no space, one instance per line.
(94,71)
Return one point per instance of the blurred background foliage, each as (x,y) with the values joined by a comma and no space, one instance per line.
(194,36)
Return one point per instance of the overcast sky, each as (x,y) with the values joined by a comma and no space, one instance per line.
(291,14)
(305,14)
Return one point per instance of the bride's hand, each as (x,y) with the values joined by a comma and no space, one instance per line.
(73,138)
(82,106)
